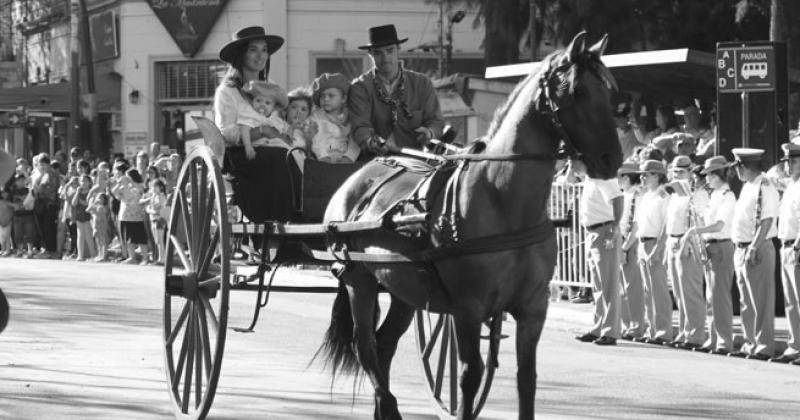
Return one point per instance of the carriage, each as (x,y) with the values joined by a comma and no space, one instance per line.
(204,234)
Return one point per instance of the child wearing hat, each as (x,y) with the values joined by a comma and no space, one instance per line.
(329,133)
(267,99)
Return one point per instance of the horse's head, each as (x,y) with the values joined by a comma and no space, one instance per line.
(575,91)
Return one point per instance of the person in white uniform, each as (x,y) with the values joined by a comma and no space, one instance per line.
(789,235)
(601,209)
(752,230)
(649,230)
(684,265)
(716,233)
(632,308)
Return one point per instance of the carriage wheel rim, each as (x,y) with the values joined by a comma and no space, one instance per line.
(441,326)
(199,329)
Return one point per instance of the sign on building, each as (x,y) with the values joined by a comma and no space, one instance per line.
(135,141)
(103,29)
(750,68)
(188,22)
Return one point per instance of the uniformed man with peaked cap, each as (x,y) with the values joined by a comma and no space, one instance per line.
(789,235)
(752,230)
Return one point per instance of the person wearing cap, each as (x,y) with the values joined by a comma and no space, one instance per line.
(752,230)
(716,233)
(600,213)
(329,137)
(789,235)
(684,265)
(632,307)
(390,106)
(650,222)
(263,185)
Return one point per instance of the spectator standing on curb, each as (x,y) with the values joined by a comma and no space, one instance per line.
(82,219)
(753,228)
(789,235)
(601,210)
(46,207)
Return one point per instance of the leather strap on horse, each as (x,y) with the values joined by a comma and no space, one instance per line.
(480,245)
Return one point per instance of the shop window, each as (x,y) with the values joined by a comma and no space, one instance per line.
(188,80)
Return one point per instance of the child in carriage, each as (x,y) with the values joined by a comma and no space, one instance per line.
(266,98)
(329,132)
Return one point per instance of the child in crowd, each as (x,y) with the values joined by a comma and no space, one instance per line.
(6,219)
(156,201)
(101,224)
(82,219)
(297,114)
(24,224)
(267,99)
(67,230)
(329,131)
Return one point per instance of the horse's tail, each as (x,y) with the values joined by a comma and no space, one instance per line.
(337,346)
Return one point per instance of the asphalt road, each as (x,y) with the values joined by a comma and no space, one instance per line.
(84,342)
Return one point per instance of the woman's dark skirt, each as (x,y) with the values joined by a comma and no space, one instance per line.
(134,233)
(266,187)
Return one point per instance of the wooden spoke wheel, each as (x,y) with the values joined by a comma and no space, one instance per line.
(438,352)
(196,285)
(3,311)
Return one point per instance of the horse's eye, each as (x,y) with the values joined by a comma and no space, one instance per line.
(579,92)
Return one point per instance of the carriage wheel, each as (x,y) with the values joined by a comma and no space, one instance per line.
(196,287)
(438,352)
(3,311)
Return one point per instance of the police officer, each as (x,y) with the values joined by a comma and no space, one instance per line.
(716,233)
(789,235)
(684,266)
(752,230)
(601,210)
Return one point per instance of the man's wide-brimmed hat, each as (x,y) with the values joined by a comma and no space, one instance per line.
(652,166)
(714,163)
(381,36)
(327,81)
(628,168)
(241,38)
(681,161)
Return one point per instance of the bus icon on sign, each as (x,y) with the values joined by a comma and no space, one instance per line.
(756,69)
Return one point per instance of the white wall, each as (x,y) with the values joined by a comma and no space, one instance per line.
(307,25)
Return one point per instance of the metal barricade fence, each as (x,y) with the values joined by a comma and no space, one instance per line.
(571,267)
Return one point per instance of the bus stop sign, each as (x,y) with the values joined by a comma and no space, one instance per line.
(746,69)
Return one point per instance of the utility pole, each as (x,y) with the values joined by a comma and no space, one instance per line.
(75,77)
(90,98)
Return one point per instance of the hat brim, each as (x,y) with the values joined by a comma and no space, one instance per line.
(712,168)
(382,44)
(229,52)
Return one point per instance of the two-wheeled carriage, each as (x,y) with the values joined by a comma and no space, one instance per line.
(200,273)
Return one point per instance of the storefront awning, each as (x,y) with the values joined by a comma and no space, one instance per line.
(56,97)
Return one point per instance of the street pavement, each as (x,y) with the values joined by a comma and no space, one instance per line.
(84,342)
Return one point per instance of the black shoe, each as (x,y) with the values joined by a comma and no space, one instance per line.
(606,341)
(581,300)
(656,341)
(629,337)
(738,354)
(722,352)
(673,343)
(795,362)
(688,346)
(586,338)
(640,339)
(783,359)
(701,349)
(759,356)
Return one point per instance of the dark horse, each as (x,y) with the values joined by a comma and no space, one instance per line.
(569,100)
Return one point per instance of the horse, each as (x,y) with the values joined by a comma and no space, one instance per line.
(504,192)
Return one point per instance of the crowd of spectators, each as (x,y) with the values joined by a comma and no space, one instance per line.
(83,208)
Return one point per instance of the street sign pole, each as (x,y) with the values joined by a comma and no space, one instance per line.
(746,119)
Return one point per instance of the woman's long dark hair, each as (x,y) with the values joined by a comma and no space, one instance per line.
(234,75)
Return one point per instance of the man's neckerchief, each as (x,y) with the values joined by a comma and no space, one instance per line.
(389,99)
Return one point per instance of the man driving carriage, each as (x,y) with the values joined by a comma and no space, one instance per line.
(390,105)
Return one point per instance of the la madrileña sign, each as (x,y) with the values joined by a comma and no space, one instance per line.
(188,21)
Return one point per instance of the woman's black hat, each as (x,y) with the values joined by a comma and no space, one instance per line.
(381,36)
(242,37)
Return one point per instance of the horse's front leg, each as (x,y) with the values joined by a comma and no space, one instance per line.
(362,288)
(529,330)
(468,335)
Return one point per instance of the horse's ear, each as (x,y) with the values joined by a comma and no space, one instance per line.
(599,48)
(577,46)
